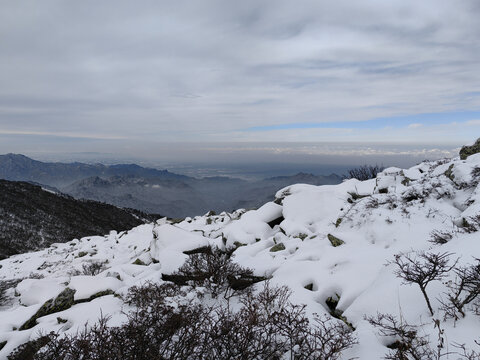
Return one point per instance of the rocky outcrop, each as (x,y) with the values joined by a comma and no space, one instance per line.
(466,150)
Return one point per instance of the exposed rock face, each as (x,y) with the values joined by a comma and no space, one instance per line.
(466,151)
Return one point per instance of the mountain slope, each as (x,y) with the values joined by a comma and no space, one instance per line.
(337,247)
(172,197)
(33,218)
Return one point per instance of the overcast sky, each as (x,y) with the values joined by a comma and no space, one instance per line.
(116,75)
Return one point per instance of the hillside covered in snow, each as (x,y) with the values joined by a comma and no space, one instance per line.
(387,267)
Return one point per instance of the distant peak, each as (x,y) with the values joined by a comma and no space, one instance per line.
(13,155)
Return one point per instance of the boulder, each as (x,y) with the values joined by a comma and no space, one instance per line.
(466,151)
(62,302)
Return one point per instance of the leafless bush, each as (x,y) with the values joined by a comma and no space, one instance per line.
(3,292)
(463,290)
(214,271)
(35,276)
(438,237)
(406,342)
(151,294)
(364,172)
(29,350)
(326,341)
(372,203)
(414,194)
(422,268)
(471,224)
(93,268)
(467,353)
(267,326)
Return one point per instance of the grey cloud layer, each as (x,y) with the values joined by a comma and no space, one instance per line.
(204,70)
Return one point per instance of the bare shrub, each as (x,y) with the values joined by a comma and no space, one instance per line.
(471,224)
(93,268)
(266,326)
(372,204)
(214,271)
(364,172)
(406,342)
(468,353)
(463,290)
(151,294)
(3,292)
(29,350)
(422,268)
(438,237)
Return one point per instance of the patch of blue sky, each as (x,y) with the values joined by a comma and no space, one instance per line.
(426,119)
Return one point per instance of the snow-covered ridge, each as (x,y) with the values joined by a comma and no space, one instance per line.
(321,241)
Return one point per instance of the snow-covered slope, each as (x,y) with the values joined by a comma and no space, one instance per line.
(323,242)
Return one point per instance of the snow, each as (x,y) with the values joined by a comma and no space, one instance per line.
(374,226)
(252,225)
(37,291)
(86,286)
(170,242)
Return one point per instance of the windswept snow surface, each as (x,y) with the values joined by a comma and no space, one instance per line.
(376,219)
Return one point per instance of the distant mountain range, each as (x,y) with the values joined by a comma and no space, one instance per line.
(18,167)
(151,190)
(32,218)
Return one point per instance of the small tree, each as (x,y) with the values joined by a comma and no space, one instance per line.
(422,268)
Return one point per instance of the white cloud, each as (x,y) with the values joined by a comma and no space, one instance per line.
(62,134)
(172,71)
(415,126)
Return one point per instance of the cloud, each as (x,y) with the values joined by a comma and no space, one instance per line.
(415,126)
(61,134)
(200,71)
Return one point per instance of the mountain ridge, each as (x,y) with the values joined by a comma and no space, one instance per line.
(151,190)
